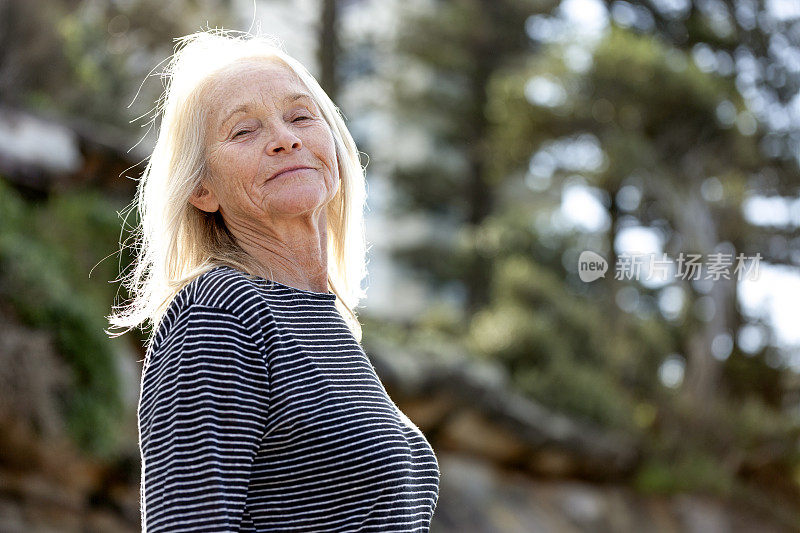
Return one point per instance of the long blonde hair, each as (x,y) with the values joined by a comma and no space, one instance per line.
(175,242)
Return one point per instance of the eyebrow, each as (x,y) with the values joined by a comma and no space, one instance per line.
(244,107)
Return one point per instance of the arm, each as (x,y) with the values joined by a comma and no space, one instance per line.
(202,414)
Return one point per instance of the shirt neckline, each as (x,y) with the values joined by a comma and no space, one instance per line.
(323,295)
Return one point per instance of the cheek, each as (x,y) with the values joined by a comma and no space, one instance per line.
(233,166)
(327,151)
(216,162)
(233,157)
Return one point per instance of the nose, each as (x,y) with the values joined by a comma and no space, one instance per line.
(284,140)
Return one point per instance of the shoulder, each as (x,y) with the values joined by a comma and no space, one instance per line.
(222,290)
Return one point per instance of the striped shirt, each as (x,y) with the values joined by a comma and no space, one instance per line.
(259,411)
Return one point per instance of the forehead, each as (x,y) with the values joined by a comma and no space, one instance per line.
(252,79)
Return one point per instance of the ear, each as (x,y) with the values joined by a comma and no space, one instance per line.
(204,199)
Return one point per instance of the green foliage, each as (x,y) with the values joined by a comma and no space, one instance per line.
(748,375)
(87,59)
(690,470)
(752,423)
(581,391)
(739,439)
(518,336)
(45,255)
(559,348)
(654,114)
(100,74)
(663,125)
(749,427)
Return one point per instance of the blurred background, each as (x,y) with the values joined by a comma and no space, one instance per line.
(502,139)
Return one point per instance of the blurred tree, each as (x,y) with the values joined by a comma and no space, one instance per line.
(46,253)
(89,58)
(667,146)
(29,51)
(454,48)
(329,47)
(679,136)
(653,115)
(754,42)
(752,52)
(660,141)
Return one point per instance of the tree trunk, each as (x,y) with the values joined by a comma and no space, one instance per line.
(328,48)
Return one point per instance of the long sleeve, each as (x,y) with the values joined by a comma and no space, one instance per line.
(202,415)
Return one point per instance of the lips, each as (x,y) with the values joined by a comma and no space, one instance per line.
(288,169)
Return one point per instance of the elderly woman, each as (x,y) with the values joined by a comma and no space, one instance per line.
(259,410)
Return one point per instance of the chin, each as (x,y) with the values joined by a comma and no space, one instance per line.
(297,201)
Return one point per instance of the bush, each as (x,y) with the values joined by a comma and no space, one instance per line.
(44,253)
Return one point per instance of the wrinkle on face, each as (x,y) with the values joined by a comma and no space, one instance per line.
(284,215)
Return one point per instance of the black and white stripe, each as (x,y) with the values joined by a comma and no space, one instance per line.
(259,411)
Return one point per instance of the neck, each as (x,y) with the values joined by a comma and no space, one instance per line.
(293,252)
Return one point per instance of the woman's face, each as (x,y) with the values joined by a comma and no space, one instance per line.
(261,119)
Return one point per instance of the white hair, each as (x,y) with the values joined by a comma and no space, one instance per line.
(175,242)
